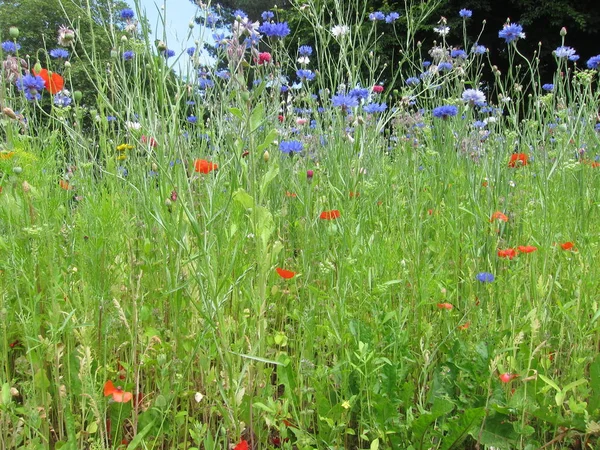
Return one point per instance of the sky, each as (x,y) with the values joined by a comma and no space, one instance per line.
(177,14)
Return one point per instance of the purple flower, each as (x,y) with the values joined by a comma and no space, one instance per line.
(474,97)
(443,112)
(412,81)
(305,50)
(190,51)
(211,19)
(511,32)
(485,277)
(392,17)
(373,108)
(10,47)
(275,30)
(465,13)
(375,16)
(31,85)
(548,87)
(445,66)
(564,52)
(127,14)
(291,147)
(359,93)
(594,62)
(62,100)
(344,101)
(457,53)
(192,119)
(305,74)
(168,53)
(59,53)
(128,55)
(239,13)
(479,49)
(267,15)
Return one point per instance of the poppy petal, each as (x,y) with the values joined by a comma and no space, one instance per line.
(109,388)
(286,274)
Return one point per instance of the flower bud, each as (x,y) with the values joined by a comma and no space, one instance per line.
(114,53)
(26,186)
(77,95)
(309,175)
(37,68)
(161,46)
(17,170)
(13,32)
(266,156)
(563,31)
(123,38)
(67,65)
(9,112)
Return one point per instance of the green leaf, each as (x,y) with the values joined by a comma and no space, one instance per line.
(243,198)
(264,407)
(237,113)
(258,358)
(549,382)
(460,429)
(375,444)
(137,440)
(497,433)
(257,117)
(440,408)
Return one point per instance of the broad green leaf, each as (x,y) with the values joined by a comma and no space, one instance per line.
(460,429)
(243,198)
(137,440)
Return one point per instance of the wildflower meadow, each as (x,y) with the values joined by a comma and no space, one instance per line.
(276,239)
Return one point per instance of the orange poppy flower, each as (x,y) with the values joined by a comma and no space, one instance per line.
(518,160)
(285,274)
(464,326)
(54,82)
(118,394)
(243,445)
(65,185)
(527,248)
(354,194)
(509,253)
(330,215)
(290,194)
(499,216)
(568,246)
(447,306)
(204,166)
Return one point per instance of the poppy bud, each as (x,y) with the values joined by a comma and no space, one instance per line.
(563,31)
(37,67)
(266,156)
(114,53)
(245,96)
(123,38)
(9,112)
(154,167)
(67,65)
(77,95)
(309,175)
(26,187)
(17,170)
(13,32)
(161,46)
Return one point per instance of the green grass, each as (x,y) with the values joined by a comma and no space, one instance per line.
(175,297)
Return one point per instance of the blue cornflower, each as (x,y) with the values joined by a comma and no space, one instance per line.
(375,16)
(465,13)
(511,32)
(290,147)
(485,277)
(168,53)
(392,17)
(239,13)
(564,52)
(443,112)
(548,87)
(267,15)
(122,170)
(222,74)
(412,81)
(192,119)
(62,100)
(373,108)
(211,19)
(190,51)
(284,88)
(127,14)
(457,53)
(359,93)
(59,53)
(205,83)
(574,58)
(275,30)
(597,127)
(426,64)
(479,124)
(128,55)
(31,85)
(593,62)
(220,40)
(10,47)
(479,49)
(305,50)
(305,74)
(474,97)
(111,118)
(444,66)
(344,101)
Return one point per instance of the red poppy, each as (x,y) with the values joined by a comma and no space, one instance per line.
(204,166)
(354,194)
(568,246)
(527,248)
(518,160)
(117,393)
(464,326)
(330,215)
(243,445)
(447,306)
(499,216)
(378,89)
(285,274)
(509,253)
(149,140)
(53,82)
(290,194)
(507,377)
